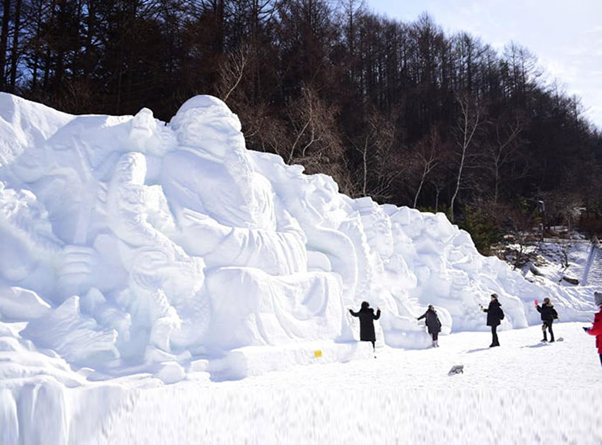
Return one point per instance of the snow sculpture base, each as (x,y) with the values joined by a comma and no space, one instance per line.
(256,360)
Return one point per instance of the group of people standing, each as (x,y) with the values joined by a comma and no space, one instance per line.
(495,315)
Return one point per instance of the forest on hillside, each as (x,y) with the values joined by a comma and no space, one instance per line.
(402,112)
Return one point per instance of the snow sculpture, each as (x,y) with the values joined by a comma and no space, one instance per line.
(225,209)
(128,242)
(164,282)
(228,214)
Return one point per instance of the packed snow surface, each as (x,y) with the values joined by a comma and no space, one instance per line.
(131,247)
(523,392)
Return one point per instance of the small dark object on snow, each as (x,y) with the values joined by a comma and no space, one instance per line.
(456,369)
(570,280)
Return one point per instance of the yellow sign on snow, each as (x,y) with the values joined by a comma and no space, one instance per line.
(317,353)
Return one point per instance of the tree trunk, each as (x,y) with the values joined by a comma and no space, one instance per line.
(419,188)
(15,52)
(88,51)
(458,183)
(470,120)
(4,41)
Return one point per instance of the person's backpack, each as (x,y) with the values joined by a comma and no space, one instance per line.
(501,314)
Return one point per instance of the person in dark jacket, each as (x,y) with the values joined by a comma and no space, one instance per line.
(432,323)
(367,317)
(548,315)
(596,328)
(495,315)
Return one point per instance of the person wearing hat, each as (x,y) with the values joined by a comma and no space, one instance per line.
(548,315)
(367,317)
(596,328)
(495,315)
(433,324)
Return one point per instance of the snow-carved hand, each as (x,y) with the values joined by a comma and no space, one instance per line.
(75,268)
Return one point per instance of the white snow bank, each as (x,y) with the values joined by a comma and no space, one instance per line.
(130,245)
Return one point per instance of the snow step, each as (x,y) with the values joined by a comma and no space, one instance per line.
(256,360)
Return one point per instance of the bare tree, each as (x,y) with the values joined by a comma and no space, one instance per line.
(16,52)
(470,120)
(4,39)
(426,158)
(518,223)
(263,130)
(379,164)
(438,183)
(232,72)
(502,145)
(351,12)
(314,127)
(566,204)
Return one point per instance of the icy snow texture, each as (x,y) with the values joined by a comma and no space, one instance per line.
(132,245)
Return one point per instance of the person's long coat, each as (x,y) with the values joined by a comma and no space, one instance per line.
(547,311)
(432,321)
(494,313)
(367,318)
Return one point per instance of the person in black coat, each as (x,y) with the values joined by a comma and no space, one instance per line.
(548,315)
(432,323)
(367,317)
(495,315)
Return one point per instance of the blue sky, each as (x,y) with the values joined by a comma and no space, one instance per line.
(565,35)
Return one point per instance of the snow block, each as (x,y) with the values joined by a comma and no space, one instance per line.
(257,360)
(21,304)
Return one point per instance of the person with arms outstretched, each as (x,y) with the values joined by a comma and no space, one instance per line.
(596,328)
(433,324)
(367,317)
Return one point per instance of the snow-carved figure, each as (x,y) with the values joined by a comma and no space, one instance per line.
(165,283)
(111,245)
(26,237)
(355,239)
(255,253)
(227,212)
(314,202)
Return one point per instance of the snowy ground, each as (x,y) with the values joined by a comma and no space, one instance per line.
(519,364)
(524,392)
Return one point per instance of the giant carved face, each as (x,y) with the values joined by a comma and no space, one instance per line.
(207,123)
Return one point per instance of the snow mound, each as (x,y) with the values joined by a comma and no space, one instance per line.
(130,245)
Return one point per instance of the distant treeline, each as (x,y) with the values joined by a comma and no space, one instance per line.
(398,111)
